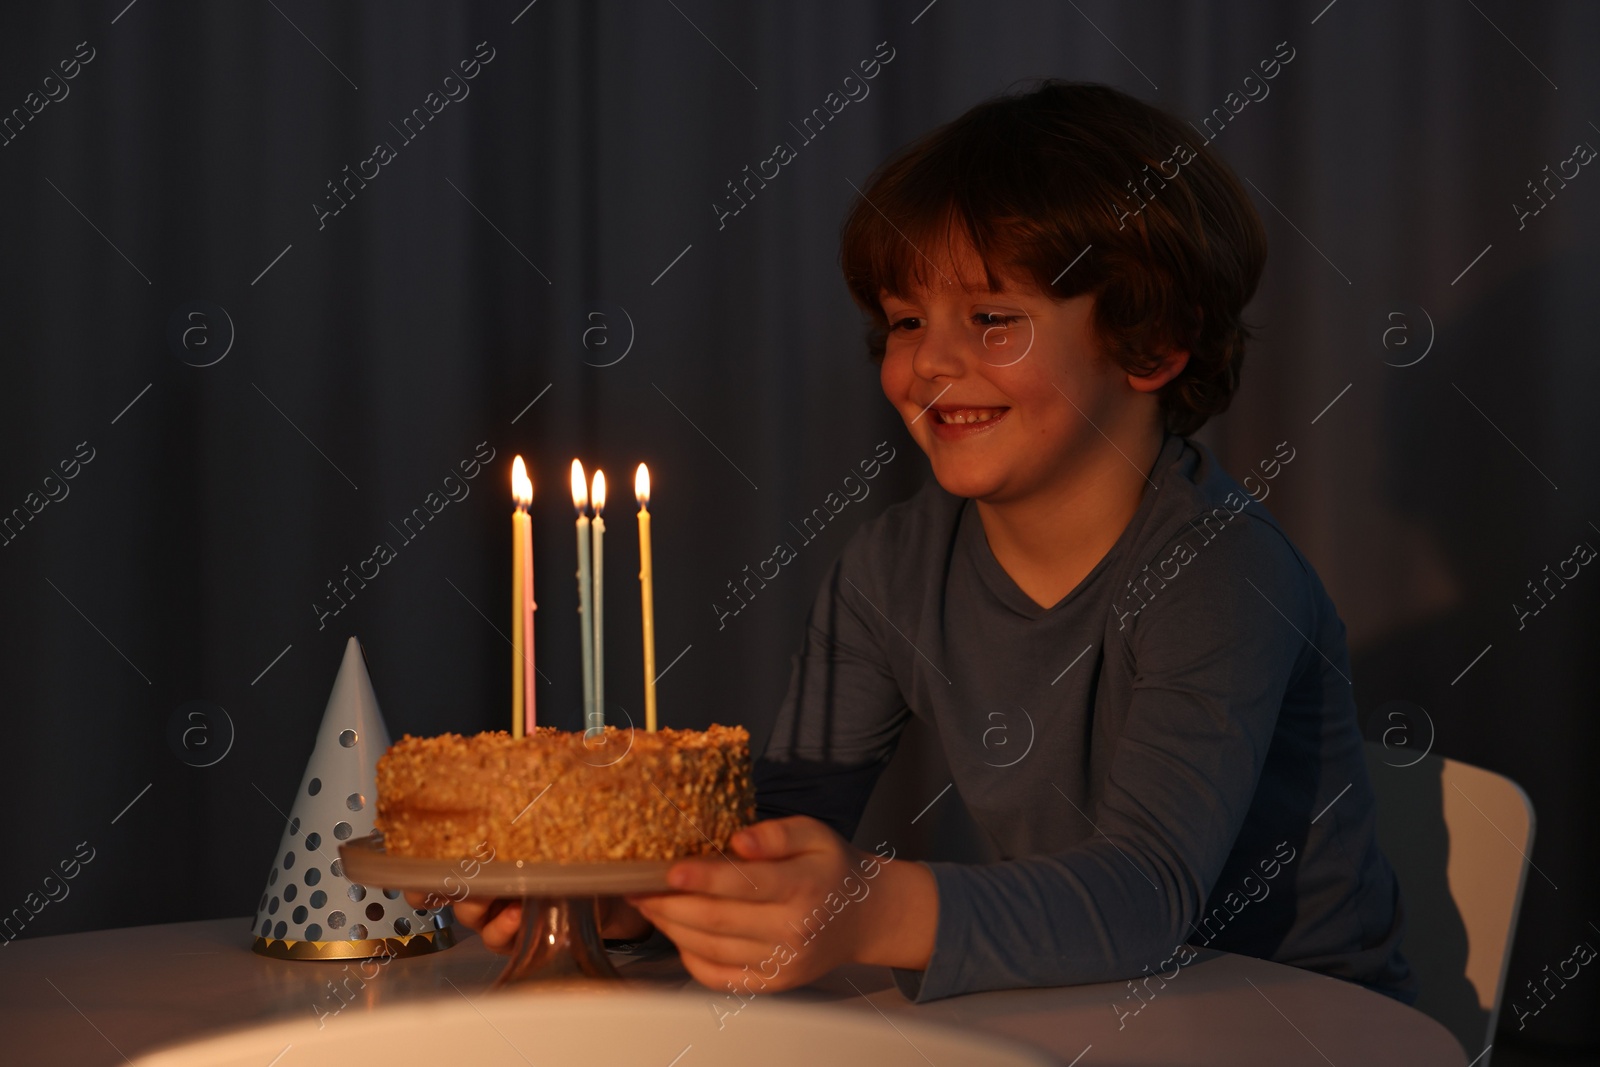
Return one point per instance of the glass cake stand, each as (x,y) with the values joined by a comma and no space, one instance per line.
(560,935)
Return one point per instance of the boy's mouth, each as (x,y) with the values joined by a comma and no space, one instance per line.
(967,416)
(954,423)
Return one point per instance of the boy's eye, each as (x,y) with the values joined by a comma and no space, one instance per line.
(992,318)
(910,322)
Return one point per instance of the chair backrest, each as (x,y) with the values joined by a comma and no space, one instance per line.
(1458,837)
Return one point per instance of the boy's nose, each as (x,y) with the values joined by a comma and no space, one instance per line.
(940,355)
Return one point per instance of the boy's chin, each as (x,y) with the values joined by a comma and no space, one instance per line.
(977,484)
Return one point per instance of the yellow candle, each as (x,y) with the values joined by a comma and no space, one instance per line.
(647,594)
(519,527)
(598,497)
(523,672)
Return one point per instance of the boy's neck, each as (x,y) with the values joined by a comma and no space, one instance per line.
(1049,541)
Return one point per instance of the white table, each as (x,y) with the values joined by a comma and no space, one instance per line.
(94,998)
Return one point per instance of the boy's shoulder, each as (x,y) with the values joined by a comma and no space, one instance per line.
(1208,541)
(1195,494)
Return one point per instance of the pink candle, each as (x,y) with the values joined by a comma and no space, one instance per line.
(522,674)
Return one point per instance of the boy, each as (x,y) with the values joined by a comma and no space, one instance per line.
(1056,280)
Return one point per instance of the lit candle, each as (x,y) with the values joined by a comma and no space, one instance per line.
(519,524)
(647,594)
(580,501)
(597,715)
(522,669)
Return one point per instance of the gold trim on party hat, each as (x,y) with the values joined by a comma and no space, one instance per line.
(397,947)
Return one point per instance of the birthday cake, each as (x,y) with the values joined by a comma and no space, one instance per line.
(557,796)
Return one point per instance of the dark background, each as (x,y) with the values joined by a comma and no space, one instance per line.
(379,350)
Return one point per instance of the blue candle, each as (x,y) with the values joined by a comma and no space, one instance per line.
(580,501)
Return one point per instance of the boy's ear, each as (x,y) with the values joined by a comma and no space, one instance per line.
(1173,360)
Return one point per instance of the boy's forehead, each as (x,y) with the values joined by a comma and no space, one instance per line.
(943,263)
(950,283)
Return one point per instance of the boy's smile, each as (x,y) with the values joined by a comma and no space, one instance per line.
(953,422)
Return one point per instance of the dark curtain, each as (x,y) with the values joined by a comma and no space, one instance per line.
(529,223)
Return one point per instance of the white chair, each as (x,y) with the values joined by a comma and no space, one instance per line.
(1459,837)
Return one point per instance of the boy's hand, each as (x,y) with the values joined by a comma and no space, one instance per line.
(497,920)
(798,901)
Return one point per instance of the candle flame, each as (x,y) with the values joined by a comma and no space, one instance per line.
(580,488)
(641,486)
(521,485)
(599,493)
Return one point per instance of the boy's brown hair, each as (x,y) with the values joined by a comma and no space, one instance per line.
(1160,231)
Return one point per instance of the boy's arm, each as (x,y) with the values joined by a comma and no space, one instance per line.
(1214,654)
(841,718)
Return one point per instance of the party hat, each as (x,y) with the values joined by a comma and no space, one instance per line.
(310,910)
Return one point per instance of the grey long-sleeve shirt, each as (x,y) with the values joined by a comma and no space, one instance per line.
(1195,772)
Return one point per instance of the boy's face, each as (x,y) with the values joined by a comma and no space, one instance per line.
(1008,391)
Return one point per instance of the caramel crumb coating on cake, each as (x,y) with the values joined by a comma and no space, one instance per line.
(554,797)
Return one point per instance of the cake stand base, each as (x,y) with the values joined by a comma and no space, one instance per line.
(559,939)
(560,935)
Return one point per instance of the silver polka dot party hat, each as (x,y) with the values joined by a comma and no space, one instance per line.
(310,910)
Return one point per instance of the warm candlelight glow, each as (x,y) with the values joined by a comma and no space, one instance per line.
(580,487)
(521,485)
(641,486)
(599,491)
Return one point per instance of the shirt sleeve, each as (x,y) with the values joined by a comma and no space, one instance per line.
(841,718)
(1213,654)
